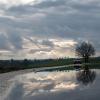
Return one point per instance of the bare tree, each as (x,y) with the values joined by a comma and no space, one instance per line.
(85,50)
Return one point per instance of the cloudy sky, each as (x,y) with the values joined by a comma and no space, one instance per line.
(47,28)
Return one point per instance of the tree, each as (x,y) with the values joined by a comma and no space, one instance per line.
(85,50)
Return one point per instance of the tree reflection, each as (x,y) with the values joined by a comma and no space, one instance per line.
(86,76)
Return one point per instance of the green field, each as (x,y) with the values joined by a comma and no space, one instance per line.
(13,65)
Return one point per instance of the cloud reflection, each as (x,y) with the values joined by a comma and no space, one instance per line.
(33,86)
(52,86)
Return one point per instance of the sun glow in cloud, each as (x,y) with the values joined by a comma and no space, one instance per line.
(51,48)
(65,43)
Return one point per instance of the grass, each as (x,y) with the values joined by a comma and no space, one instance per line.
(94,63)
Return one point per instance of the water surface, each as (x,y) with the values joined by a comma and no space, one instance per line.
(68,85)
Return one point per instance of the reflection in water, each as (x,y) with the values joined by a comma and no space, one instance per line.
(86,76)
(55,86)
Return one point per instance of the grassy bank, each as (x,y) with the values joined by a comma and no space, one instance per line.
(14,65)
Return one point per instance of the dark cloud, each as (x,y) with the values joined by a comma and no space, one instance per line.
(43,46)
(4,43)
(47,43)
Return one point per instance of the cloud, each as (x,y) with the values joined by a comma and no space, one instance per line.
(4,45)
(49,19)
(10,3)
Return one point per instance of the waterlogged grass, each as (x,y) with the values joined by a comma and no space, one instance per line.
(64,68)
(93,65)
(67,68)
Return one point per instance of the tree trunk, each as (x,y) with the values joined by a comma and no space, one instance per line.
(86,61)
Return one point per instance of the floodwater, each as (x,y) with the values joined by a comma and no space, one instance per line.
(61,85)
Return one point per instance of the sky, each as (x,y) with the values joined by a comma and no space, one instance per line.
(40,29)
